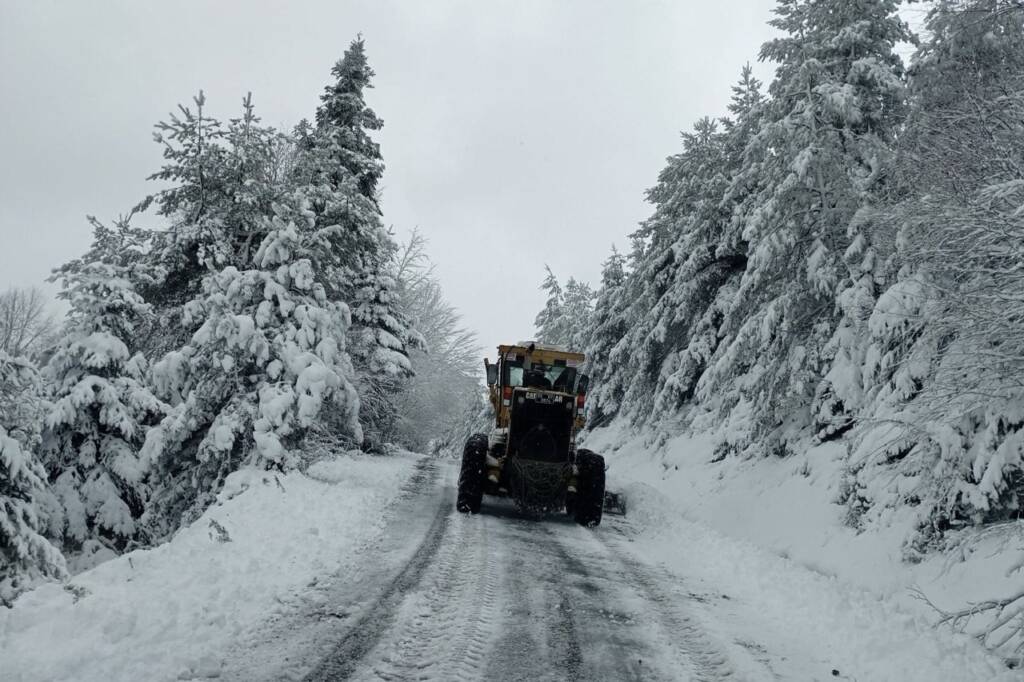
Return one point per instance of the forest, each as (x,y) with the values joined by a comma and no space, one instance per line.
(264,309)
(839,259)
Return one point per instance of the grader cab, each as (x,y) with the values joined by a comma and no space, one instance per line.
(538,395)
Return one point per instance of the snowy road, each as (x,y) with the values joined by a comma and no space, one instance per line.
(496,597)
(359,568)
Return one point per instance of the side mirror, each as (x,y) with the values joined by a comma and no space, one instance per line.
(492,373)
(582,384)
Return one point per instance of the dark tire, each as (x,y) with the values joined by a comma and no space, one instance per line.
(589,502)
(471,476)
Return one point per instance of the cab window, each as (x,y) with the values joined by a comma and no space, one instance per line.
(558,377)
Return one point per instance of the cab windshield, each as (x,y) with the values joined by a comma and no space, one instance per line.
(550,377)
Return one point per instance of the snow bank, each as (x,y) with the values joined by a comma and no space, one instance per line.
(771,527)
(171,612)
(807,623)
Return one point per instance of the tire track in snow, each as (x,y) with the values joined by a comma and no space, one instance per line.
(308,624)
(608,620)
(362,635)
(498,596)
(469,655)
(444,627)
(540,639)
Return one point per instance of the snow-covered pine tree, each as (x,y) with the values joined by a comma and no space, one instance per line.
(650,258)
(946,360)
(25,553)
(870,259)
(681,328)
(101,405)
(224,179)
(746,117)
(724,271)
(566,317)
(659,327)
(678,273)
(379,343)
(808,171)
(266,358)
(550,321)
(607,329)
(338,172)
(578,307)
(22,405)
(206,273)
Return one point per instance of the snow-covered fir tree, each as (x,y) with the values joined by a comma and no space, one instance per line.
(608,327)
(565,319)
(550,321)
(380,341)
(682,272)
(267,357)
(762,252)
(685,265)
(945,360)
(822,148)
(100,403)
(224,179)
(578,304)
(338,173)
(26,555)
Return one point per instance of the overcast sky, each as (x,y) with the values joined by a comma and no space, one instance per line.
(515,133)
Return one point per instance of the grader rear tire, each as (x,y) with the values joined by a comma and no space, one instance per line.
(589,503)
(471,476)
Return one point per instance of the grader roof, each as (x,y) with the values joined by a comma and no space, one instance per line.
(544,353)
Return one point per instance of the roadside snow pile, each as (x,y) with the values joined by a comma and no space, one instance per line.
(170,612)
(772,527)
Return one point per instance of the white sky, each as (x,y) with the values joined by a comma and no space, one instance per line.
(515,133)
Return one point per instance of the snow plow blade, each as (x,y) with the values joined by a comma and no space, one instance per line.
(614,503)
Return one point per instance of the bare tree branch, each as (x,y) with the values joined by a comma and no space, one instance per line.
(26,326)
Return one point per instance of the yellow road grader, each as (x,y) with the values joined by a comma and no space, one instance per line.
(538,394)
